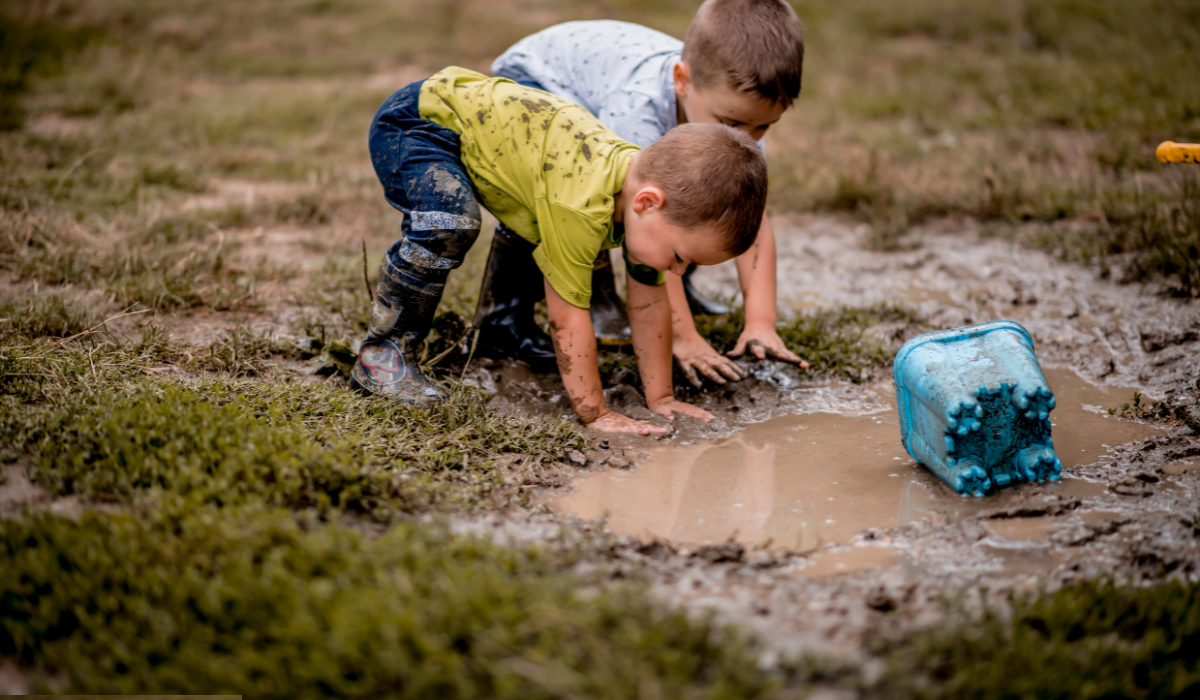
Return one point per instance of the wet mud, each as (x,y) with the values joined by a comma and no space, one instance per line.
(808,481)
(798,514)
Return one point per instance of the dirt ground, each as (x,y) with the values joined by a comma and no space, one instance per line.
(1127,514)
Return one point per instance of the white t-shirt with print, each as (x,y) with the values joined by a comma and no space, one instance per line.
(621,72)
(618,71)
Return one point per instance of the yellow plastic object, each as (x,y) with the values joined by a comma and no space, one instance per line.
(1171,152)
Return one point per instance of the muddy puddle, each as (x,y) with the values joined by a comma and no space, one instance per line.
(812,482)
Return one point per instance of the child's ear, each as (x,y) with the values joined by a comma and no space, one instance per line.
(682,76)
(648,199)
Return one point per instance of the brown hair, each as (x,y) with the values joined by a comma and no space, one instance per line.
(748,45)
(711,175)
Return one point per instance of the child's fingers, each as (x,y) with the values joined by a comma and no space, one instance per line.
(787,356)
(709,371)
(689,371)
(729,368)
(757,347)
(695,412)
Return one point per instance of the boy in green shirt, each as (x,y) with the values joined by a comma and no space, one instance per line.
(549,169)
(740,64)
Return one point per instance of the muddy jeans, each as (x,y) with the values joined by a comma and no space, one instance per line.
(420,167)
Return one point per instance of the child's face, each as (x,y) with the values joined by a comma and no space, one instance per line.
(744,111)
(652,240)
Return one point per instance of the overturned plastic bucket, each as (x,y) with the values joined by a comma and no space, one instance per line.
(975,407)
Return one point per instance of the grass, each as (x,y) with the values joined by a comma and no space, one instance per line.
(1092,640)
(301,445)
(1023,115)
(240,560)
(835,342)
(253,602)
(57,315)
(245,492)
(165,264)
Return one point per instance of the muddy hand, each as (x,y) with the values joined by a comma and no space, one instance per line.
(696,357)
(762,343)
(613,422)
(668,407)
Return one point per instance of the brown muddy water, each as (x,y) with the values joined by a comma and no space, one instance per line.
(812,482)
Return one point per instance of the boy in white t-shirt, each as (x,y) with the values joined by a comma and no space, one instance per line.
(740,65)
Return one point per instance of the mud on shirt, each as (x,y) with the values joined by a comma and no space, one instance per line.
(541,164)
(621,72)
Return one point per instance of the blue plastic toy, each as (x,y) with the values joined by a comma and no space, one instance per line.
(975,407)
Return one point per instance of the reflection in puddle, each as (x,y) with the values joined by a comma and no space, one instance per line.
(1022,529)
(1181,468)
(844,560)
(803,482)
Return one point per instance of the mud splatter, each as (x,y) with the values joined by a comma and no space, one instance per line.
(445,182)
(535,107)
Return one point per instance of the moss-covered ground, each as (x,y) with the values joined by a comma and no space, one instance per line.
(185,194)
(1101,639)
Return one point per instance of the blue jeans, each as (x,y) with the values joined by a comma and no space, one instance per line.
(419,164)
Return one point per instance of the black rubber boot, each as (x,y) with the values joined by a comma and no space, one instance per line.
(512,286)
(699,304)
(609,317)
(405,301)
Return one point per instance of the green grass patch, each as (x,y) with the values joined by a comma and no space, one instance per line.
(252,602)
(50,314)
(835,342)
(1092,640)
(176,441)
(297,444)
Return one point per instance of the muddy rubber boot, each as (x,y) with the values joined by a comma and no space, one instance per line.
(609,317)
(400,318)
(699,304)
(512,286)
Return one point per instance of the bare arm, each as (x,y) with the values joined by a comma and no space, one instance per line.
(650,320)
(696,357)
(575,349)
(756,272)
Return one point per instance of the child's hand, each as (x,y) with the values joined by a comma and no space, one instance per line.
(669,406)
(763,341)
(694,355)
(613,422)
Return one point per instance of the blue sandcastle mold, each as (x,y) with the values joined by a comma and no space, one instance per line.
(975,407)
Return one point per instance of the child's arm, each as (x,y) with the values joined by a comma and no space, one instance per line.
(575,349)
(756,272)
(695,355)
(650,320)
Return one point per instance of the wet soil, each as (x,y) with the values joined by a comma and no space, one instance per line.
(736,516)
(808,481)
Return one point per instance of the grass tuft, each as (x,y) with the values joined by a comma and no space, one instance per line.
(251,602)
(835,342)
(52,314)
(1093,640)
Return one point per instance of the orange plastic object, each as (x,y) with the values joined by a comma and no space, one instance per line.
(1171,152)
